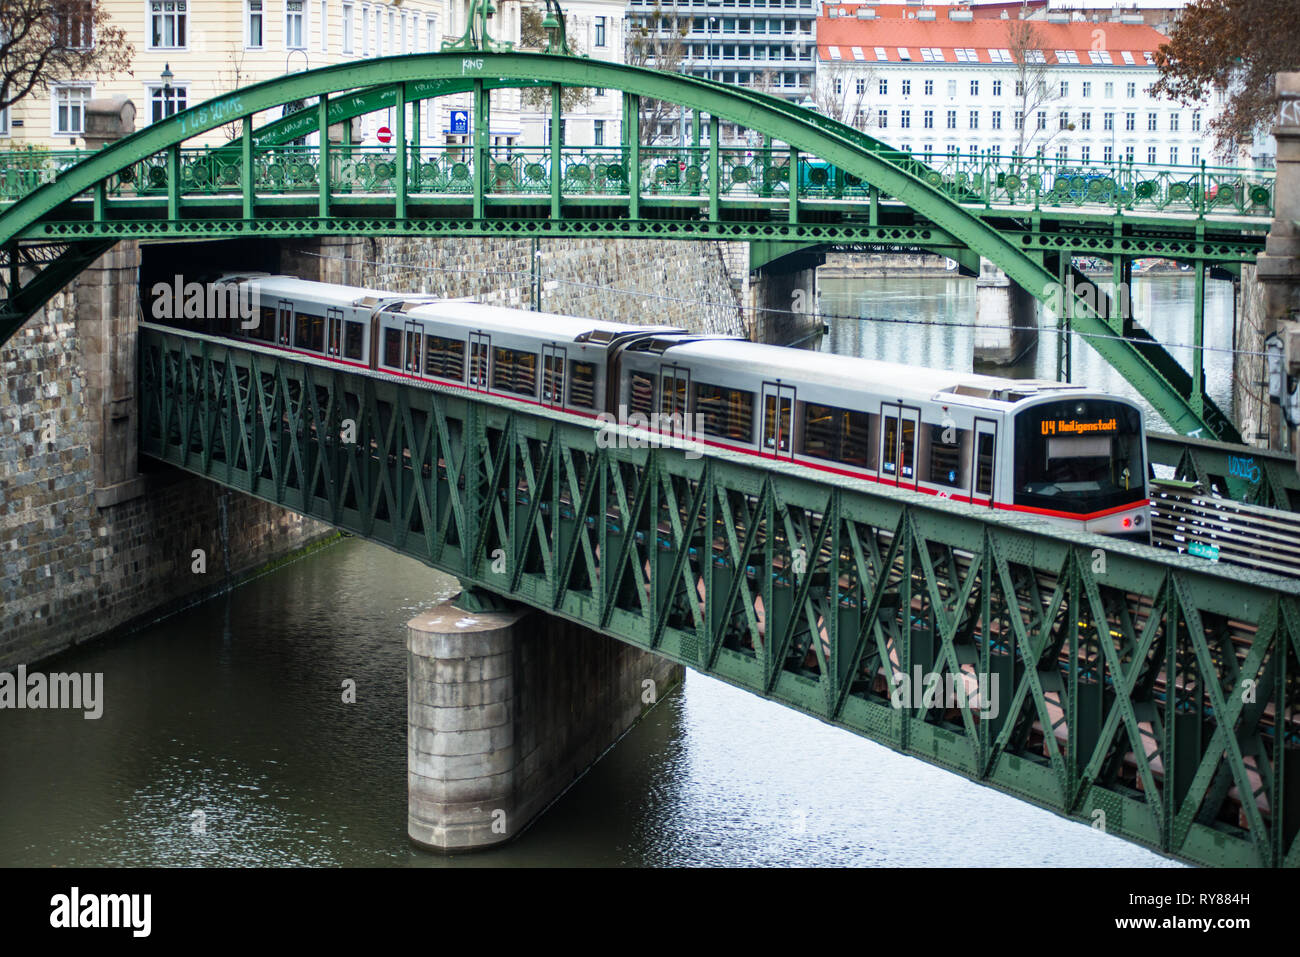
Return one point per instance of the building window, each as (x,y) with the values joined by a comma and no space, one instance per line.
(324,24)
(1087,89)
(347,27)
(1065,89)
(4,122)
(1062,153)
(1196,150)
(1132,91)
(392,32)
(1130,153)
(1173,122)
(253,38)
(929,119)
(164,101)
(1065,120)
(1020,87)
(997,87)
(1151,155)
(73,26)
(1020,119)
(167,23)
(1085,154)
(905,119)
(929,87)
(974,119)
(600,31)
(882,119)
(295,32)
(1108,154)
(838,86)
(1042,119)
(1152,118)
(860,87)
(952,89)
(884,87)
(907,87)
(1110,91)
(1130,121)
(70,109)
(952,119)
(1196,122)
(598,132)
(379,32)
(1085,121)
(1108,121)
(1173,156)
(365,30)
(430,32)
(997,120)
(974,87)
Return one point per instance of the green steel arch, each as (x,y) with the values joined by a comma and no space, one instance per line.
(416,77)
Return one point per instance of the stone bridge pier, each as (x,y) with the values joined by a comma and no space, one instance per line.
(506,709)
(1006,319)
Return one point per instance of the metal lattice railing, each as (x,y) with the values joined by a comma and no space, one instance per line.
(982,179)
(1152,695)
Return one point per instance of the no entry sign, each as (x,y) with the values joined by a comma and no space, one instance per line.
(384,134)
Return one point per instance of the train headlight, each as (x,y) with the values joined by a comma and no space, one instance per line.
(1137,521)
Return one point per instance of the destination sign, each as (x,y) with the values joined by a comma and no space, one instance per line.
(1075,427)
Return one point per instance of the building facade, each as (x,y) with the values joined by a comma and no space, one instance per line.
(943,81)
(187,51)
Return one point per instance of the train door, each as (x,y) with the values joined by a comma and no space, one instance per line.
(898,432)
(412,338)
(480,350)
(983,458)
(284,322)
(553,376)
(778,420)
(334,333)
(675,388)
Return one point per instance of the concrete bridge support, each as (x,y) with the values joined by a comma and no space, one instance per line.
(506,709)
(783,296)
(1006,319)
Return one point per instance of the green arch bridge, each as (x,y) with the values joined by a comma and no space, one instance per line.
(828,184)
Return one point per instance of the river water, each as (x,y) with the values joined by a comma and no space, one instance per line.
(224,738)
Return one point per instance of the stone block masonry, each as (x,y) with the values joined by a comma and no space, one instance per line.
(700,286)
(505,711)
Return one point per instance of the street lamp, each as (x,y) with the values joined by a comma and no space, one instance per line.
(166,76)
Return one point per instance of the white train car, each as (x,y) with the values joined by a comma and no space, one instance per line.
(1063,452)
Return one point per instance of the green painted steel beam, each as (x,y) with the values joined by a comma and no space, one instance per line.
(1119,683)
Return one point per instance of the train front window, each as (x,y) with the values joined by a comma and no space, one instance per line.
(1083,456)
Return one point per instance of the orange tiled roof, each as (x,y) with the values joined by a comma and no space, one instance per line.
(903,40)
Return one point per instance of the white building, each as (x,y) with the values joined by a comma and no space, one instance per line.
(942,80)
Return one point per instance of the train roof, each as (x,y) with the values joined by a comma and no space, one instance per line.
(543,325)
(328,293)
(847,372)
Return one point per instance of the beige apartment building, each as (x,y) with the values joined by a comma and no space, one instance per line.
(187,51)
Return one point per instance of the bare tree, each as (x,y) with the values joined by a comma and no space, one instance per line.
(658,42)
(1035,91)
(53,41)
(532,36)
(843,93)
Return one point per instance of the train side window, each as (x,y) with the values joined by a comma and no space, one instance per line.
(354,334)
(984,465)
(945,465)
(890,444)
(841,435)
(582,384)
(393,348)
(641,394)
(265,328)
(444,358)
(727,413)
(514,371)
(309,332)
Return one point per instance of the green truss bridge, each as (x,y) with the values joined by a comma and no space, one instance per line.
(1145,692)
(826,184)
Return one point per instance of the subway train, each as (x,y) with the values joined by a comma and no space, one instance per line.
(1062,452)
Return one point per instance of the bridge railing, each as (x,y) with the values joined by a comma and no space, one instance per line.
(984,179)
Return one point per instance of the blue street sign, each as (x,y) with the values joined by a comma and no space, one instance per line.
(459,122)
